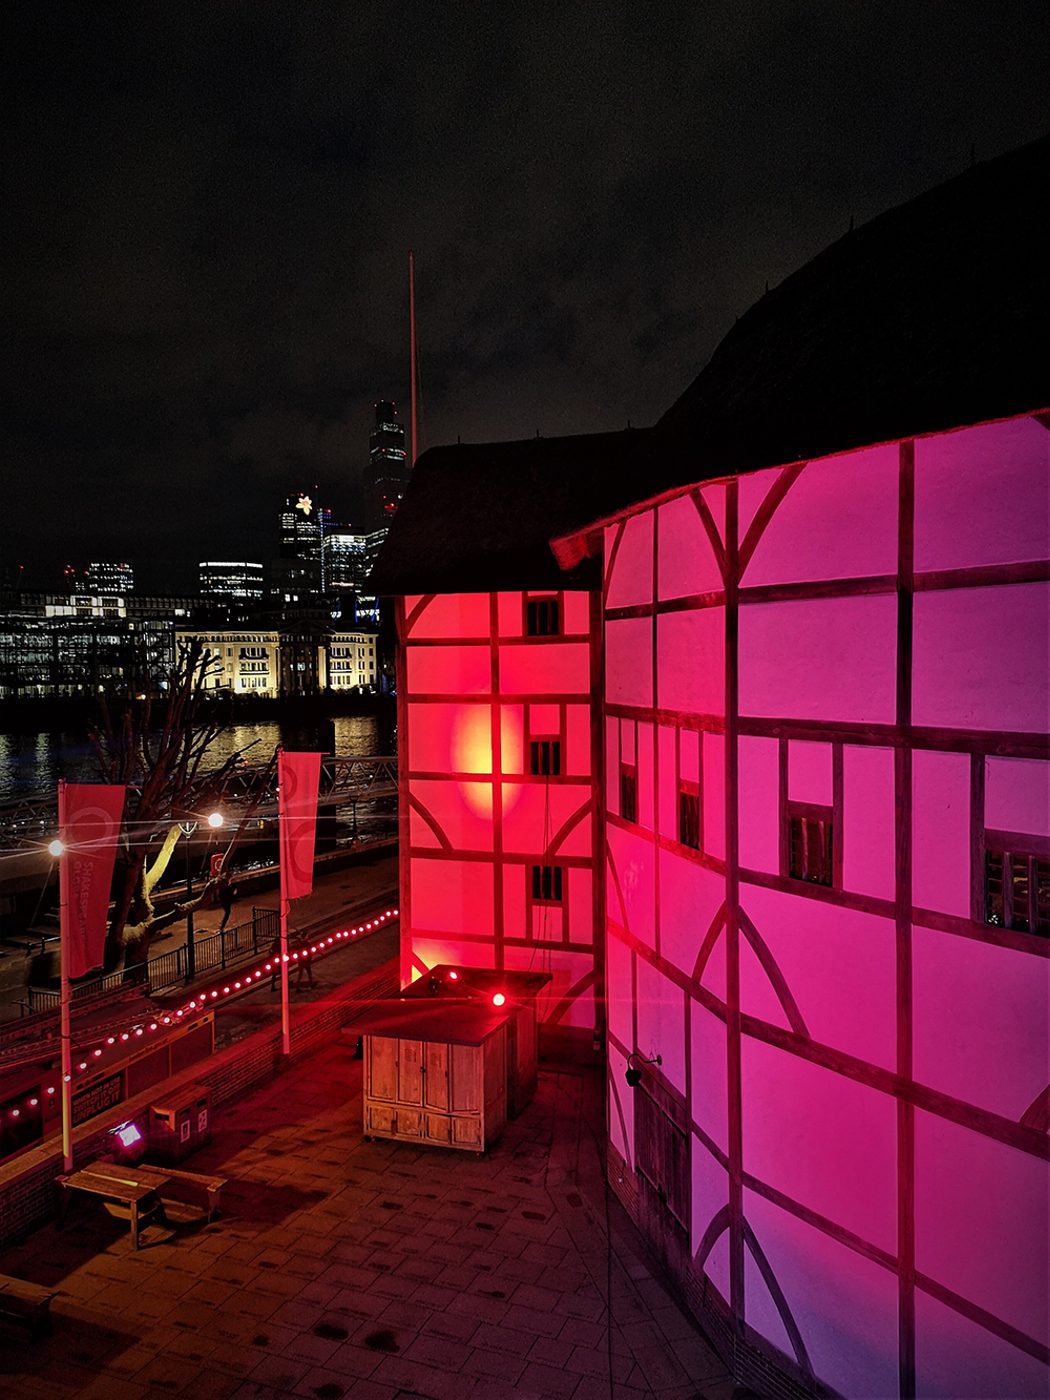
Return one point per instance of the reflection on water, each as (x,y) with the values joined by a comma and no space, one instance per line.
(34,762)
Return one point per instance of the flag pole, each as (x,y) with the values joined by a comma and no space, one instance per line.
(286,1034)
(63,967)
(412,351)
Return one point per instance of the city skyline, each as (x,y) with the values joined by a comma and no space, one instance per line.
(208,227)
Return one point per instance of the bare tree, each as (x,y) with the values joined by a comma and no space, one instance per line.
(169,782)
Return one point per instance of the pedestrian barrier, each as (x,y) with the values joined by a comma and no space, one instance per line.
(217,951)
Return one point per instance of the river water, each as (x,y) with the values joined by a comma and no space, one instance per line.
(32,762)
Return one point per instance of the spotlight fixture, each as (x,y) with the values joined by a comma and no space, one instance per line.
(633,1073)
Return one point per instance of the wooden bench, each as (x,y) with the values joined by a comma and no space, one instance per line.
(124,1191)
(197,1183)
(28,1304)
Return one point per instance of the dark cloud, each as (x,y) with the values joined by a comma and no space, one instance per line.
(208,209)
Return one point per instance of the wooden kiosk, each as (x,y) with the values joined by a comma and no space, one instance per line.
(521,990)
(435,1073)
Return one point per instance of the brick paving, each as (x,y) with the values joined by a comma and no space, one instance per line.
(376,1271)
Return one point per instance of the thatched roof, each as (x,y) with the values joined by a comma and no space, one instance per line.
(480,517)
(932,316)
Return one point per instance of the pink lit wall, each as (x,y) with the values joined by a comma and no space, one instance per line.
(475,693)
(857,647)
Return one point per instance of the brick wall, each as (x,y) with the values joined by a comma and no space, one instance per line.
(28,1194)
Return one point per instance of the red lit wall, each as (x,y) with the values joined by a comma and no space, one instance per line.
(855,1077)
(476,693)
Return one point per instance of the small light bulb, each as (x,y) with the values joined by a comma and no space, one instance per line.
(498,999)
(56,848)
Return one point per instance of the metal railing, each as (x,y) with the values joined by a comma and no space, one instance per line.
(215,952)
(343,781)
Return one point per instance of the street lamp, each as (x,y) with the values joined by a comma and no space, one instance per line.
(214,820)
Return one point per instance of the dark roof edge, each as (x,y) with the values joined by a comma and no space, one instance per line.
(571,549)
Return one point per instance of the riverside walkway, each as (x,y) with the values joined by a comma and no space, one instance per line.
(372,1271)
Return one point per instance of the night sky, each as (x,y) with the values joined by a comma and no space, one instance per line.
(207,211)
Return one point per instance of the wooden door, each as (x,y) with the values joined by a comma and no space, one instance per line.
(435,1076)
(380,1067)
(465,1089)
(410,1072)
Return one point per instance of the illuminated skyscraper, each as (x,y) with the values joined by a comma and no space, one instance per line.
(298,569)
(387,474)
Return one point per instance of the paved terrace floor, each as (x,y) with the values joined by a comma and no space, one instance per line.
(376,1271)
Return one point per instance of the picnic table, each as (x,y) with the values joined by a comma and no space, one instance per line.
(126,1192)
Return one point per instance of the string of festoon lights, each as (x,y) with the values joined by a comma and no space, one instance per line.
(141,1029)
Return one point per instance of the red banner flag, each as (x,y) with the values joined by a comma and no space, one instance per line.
(89,826)
(298,777)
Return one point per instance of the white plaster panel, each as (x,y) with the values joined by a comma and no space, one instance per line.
(752,490)
(510,610)
(956,1359)
(868,816)
(820,658)
(981,658)
(646,776)
(581,905)
(635,869)
(628,661)
(512,738)
(578,721)
(1017,795)
(450,738)
(759,785)
(840,965)
(758,997)
(632,574)
(959,522)
(710,1190)
(981,1021)
(668,813)
(431,951)
(715,495)
(713,977)
(982,1221)
(619,990)
(661,1022)
(713,808)
(687,563)
(838,520)
(827,1141)
(717,1266)
(577,612)
(760,1309)
(690,896)
(710,1106)
(449,670)
(545,668)
(451,896)
(691,652)
(941,831)
(845,1306)
(809,772)
(513,885)
(463,812)
(567,970)
(689,755)
(532,811)
(456,615)
(611,789)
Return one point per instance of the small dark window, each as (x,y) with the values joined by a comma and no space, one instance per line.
(542,617)
(546,884)
(689,816)
(545,757)
(810,848)
(1017,891)
(628,792)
